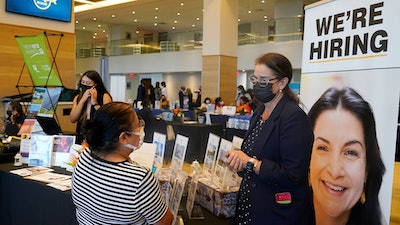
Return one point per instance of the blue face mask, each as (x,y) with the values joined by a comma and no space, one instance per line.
(207,101)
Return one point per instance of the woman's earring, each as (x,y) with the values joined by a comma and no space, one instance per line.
(362,198)
(280,90)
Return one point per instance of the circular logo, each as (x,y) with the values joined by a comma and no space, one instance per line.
(43,4)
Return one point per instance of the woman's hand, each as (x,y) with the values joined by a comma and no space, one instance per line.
(93,95)
(236,160)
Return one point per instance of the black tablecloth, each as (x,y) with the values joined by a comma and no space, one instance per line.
(198,137)
(27,202)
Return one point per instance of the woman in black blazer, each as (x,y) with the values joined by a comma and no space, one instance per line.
(276,150)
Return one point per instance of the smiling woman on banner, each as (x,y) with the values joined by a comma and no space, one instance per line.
(346,167)
(93,95)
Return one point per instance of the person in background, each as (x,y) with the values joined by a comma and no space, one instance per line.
(164,102)
(189,95)
(164,89)
(346,167)
(243,108)
(107,186)
(151,96)
(93,94)
(157,91)
(15,118)
(142,91)
(198,99)
(219,103)
(239,93)
(204,105)
(181,94)
(275,154)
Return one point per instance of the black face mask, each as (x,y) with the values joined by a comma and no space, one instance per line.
(9,113)
(263,94)
(83,87)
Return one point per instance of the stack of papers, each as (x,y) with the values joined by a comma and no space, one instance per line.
(43,174)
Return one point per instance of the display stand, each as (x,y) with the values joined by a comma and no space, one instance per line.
(43,72)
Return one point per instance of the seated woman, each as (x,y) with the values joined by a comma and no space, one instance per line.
(107,186)
(219,103)
(243,107)
(15,118)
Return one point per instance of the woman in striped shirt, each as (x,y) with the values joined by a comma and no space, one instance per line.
(107,187)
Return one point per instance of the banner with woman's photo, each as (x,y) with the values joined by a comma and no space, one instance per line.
(351,43)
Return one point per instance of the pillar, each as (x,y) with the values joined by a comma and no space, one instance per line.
(220,38)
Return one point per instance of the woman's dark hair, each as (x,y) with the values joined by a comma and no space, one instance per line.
(110,120)
(15,105)
(348,99)
(95,77)
(281,67)
(241,88)
(218,100)
(244,99)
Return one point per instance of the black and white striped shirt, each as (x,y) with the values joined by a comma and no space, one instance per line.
(115,193)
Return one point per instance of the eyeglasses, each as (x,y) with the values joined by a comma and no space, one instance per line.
(262,81)
(138,133)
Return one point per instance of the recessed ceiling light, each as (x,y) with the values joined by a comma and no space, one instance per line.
(249,11)
(265,17)
(99,25)
(77,21)
(178,13)
(155,24)
(95,18)
(176,21)
(133,12)
(197,18)
(113,16)
(193,25)
(238,20)
(137,31)
(182,4)
(173,28)
(104,31)
(262,1)
(135,20)
(155,17)
(95,34)
(83,28)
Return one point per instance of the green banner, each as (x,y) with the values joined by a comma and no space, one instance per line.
(34,52)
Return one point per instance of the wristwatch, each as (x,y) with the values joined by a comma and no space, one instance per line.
(251,164)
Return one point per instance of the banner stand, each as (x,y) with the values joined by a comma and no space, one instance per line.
(42,71)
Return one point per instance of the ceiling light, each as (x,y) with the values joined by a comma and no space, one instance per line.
(262,1)
(83,28)
(155,17)
(249,11)
(173,28)
(133,12)
(99,25)
(77,21)
(193,25)
(137,31)
(197,18)
(95,34)
(238,20)
(135,20)
(182,4)
(265,17)
(113,16)
(156,8)
(94,18)
(178,13)
(104,31)
(176,21)
(155,24)
(97,5)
